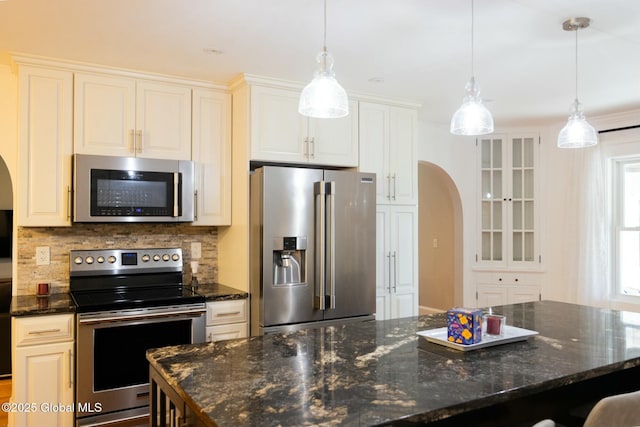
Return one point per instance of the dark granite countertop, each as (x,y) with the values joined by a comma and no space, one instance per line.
(31,305)
(219,292)
(376,372)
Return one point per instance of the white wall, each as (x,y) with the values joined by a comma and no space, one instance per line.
(556,198)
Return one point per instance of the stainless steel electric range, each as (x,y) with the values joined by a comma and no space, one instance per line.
(128,301)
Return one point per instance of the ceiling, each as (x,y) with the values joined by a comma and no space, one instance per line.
(419,49)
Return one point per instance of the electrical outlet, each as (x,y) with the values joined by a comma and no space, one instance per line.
(435,243)
(43,255)
(196,250)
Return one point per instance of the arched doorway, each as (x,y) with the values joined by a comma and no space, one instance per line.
(440,240)
(6,239)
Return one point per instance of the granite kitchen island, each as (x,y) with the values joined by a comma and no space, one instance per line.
(382,373)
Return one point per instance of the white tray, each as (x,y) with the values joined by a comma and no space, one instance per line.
(510,334)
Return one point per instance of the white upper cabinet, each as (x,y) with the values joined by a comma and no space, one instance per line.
(45,146)
(121,116)
(105,115)
(388,148)
(507,192)
(280,134)
(212,157)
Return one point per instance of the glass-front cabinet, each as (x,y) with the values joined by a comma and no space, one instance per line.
(508,234)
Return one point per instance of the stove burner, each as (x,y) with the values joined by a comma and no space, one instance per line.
(119,279)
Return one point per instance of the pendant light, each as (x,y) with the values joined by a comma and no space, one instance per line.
(324,97)
(577,133)
(472,118)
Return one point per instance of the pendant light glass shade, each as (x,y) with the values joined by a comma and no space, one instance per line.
(577,133)
(324,97)
(472,118)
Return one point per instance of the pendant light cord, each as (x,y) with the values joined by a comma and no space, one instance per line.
(577,29)
(324,34)
(472,31)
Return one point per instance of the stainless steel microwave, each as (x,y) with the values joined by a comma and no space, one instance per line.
(132,189)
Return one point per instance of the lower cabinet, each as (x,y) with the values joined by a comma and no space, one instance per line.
(227,319)
(396,261)
(506,288)
(43,375)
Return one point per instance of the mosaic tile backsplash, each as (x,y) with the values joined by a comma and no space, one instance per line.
(61,240)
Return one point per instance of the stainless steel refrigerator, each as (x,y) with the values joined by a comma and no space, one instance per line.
(313,240)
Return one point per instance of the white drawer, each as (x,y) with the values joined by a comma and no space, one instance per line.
(228,311)
(226,332)
(43,329)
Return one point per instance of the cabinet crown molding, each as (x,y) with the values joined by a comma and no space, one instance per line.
(248,79)
(57,63)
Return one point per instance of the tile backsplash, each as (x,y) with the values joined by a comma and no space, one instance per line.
(61,240)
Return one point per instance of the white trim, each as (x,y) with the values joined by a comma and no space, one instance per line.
(55,63)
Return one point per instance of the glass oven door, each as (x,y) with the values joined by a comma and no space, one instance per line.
(112,369)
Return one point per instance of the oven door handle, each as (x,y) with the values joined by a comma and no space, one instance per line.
(116,318)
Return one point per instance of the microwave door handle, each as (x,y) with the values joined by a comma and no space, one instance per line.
(176,187)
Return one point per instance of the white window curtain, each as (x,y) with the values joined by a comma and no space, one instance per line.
(588,220)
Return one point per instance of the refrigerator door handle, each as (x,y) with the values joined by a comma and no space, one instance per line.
(330,242)
(319,189)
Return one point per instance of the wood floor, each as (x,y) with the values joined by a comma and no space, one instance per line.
(5,394)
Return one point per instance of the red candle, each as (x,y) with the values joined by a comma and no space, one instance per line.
(494,325)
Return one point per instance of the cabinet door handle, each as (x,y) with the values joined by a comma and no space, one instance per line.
(312,145)
(69,202)
(228,313)
(195,205)
(388,195)
(395,272)
(389,265)
(394,186)
(139,141)
(133,141)
(70,369)
(44,331)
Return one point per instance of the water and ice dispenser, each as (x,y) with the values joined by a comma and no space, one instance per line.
(289,260)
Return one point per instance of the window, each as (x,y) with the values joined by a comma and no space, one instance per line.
(627,226)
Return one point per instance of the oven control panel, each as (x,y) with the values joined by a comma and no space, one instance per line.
(117,261)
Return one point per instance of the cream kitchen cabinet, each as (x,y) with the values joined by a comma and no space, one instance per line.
(396,261)
(211,147)
(227,319)
(388,148)
(121,116)
(45,146)
(43,370)
(280,134)
(501,288)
